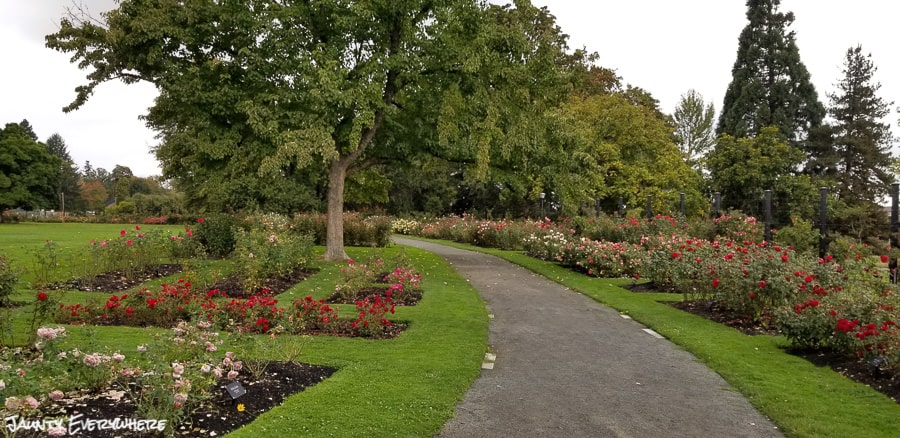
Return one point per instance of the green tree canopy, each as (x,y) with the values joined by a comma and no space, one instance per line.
(28,172)
(694,127)
(770,85)
(608,147)
(742,169)
(252,94)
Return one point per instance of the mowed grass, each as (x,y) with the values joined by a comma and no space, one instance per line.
(23,241)
(407,386)
(802,399)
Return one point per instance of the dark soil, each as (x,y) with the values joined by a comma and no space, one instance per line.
(852,367)
(115,280)
(234,288)
(717,312)
(650,287)
(214,418)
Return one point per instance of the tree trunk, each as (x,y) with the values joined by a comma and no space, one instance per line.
(334,240)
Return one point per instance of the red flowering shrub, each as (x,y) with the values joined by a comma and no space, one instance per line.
(309,314)
(371,320)
(258,313)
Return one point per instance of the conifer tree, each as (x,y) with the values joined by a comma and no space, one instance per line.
(861,140)
(68,189)
(770,86)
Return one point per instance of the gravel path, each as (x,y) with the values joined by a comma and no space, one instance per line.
(567,366)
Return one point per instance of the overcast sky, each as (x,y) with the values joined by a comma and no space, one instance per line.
(665,47)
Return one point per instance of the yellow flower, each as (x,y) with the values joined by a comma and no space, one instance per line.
(240,407)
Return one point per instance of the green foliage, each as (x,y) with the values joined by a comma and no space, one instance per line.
(608,148)
(800,235)
(770,86)
(373,231)
(217,233)
(29,174)
(357,276)
(261,254)
(694,127)
(743,168)
(67,187)
(120,208)
(861,148)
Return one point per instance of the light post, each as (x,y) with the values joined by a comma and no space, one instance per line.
(542,204)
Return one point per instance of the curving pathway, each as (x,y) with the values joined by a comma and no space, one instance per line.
(567,366)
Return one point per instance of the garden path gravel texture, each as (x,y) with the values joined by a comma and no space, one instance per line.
(567,366)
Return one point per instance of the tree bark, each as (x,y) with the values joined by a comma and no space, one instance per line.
(334,242)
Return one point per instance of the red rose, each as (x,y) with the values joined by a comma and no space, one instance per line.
(200,220)
(42,296)
(123,232)
(884,259)
(715,282)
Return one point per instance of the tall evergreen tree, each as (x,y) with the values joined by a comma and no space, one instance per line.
(67,188)
(861,140)
(770,86)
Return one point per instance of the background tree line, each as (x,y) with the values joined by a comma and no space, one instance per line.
(38,175)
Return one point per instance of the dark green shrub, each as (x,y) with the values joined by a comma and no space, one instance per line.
(374,231)
(217,233)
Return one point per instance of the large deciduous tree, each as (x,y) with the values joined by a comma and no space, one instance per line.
(267,92)
(861,140)
(694,131)
(770,86)
(608,147)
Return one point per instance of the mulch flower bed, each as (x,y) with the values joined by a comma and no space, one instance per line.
(233,286)
(115,281)
(215,417)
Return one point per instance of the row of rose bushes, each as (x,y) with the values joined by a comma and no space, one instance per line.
(258,313)
(844,302)
(514,234)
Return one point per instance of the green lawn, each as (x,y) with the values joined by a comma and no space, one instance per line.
(407,386)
